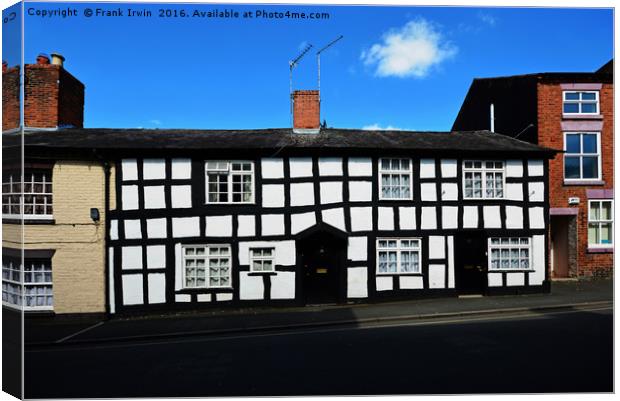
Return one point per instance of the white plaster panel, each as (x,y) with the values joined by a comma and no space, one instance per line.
(406,216)
(283,285)
(514,168)
(203,297)
(429,218)
(129,168)
(360,167)
(250,287)
(428,191)
(448,168)
(272,167)
(436,276)
(224,297)
(361,218)
(157,288)
(331,192)
(427,168)
(132,229)
(178,267)
(436,247)
(273,195)
(247,226)
(357,282)
(538,260)
(495,279)
(450,261)
(535,168)
(492,217)
(132,289)
(154,169)
(450,216)
(302,194)
(300,167)
(113,229)
(537,217)
(514,217)
(357,249)
(536,191)
(155,256)
(156,228)
(515,279)
(330,166)
(360,191)
(154,197)
(272,224)
(218,226)
(385,218)
(111,295)
(384,283)
(302,221)
(514,191)
(131,257)
(284,251)
(182,298)
(181,196)
(449,191)
(130,197)
(185,227)
(181,168)
(470,217)
(411,282)
(334,217)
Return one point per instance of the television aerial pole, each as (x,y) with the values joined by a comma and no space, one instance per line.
(291,65)
(318,60)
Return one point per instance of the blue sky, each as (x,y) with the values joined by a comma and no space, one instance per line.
(402,67)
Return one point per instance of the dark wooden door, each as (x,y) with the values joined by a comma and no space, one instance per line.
(321,268)
(471,263)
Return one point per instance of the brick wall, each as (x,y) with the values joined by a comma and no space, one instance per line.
(550,134)
(306,109)
(10,98)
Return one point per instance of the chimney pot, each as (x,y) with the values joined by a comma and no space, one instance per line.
(5,66)
(43,58)
(58,59)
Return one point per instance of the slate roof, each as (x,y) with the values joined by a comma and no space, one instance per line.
(277,138)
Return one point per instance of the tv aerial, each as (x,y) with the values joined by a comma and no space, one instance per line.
(318,60)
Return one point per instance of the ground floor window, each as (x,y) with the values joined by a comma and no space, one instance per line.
(262,259)
(207,266)
(510,253)
(600,223)
(37,283)
(398,255)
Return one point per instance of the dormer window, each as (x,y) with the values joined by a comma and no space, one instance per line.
(581,102)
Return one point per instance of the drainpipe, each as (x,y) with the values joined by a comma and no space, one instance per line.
(492,114)
(106,250)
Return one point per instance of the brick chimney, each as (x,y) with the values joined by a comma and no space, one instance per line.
(306,111)
(53,98)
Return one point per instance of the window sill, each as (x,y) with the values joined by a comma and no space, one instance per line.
(28,221)
(512,271)
(583,183)
(601,250)
(582,116)
(399,274)
(262,273)
(203,290)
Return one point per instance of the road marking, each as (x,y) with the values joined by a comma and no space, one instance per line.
(368,326)
(78,332)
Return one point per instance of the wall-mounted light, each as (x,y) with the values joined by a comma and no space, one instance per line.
(94,214)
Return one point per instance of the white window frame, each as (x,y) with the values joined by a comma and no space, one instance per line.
(483,170)
(399,172)
(206,257)
(600,222)
(581,155)
(510,247)
(399,249)
(229,173)
(30,216)
(262,259)
(580,102)
(23,285)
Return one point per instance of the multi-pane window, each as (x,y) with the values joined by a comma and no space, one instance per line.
(396,256)
(206,266)
(37,283)
(582,156)
(396,176)
(580,102)
(600,223)
(512,253)
(262,259)
(483,179)
(37,191)
(230,181)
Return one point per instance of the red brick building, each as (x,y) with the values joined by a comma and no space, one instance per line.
(571,112)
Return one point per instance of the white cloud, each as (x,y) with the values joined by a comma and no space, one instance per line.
(155,122)
(487,18)
(377,127)
(410,51)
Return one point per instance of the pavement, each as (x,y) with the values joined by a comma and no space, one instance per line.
(50,331)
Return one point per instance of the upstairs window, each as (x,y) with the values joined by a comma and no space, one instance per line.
(37,192)
(262,259)
(230,181)
(581,102)
(509,253)
(395,177)
(206,266)
(600,223)
(483,179)
(398,256)
(582,156)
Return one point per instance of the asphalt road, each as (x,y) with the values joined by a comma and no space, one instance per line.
(569,351)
